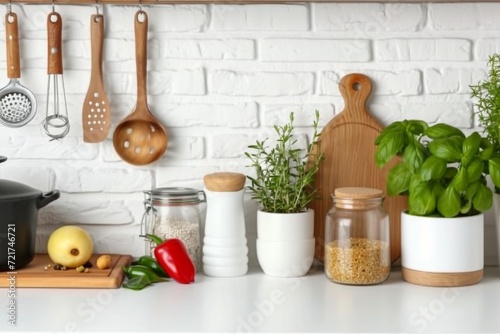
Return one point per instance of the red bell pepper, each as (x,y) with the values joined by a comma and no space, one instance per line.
(173,257)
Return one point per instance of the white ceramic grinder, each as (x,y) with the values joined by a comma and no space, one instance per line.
(225,251)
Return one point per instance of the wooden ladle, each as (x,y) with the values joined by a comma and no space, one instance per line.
(140,139)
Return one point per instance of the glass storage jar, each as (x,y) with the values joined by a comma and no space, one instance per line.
(357,237)
(174,213)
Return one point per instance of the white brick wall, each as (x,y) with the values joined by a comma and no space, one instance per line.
(221,76)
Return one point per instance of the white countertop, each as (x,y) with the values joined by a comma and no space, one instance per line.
(259,303)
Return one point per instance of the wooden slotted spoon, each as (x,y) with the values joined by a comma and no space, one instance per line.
(96,117)
(140,139)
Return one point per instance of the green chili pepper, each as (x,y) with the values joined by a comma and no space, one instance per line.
(150,262)
(137,282)
(140,270)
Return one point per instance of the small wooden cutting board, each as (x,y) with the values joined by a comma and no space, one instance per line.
(35,276)
(348,144)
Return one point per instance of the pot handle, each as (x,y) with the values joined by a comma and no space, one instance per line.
(3,159)
(47,197)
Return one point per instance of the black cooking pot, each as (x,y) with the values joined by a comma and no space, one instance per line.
(19,206)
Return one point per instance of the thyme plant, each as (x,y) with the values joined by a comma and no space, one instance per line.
(487,95)
(284,176)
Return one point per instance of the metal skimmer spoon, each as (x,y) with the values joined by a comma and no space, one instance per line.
(17,103)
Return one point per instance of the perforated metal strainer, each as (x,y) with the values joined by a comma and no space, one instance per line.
(17,103)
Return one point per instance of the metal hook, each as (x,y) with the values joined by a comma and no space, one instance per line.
(97,6)
(53,7)
(140,5)
(10,6)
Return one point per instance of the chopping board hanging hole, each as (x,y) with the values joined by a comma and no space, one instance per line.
(348,144)
(356,90)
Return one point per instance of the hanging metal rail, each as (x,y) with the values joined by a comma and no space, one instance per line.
(93,2)
(159,2)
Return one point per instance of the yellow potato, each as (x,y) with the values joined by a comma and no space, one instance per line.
(103,262)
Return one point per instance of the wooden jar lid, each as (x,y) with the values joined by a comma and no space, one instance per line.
(224,181)
(357,198)
(358,193)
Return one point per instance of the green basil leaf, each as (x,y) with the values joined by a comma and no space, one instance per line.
(449,149)
(466,207)
(398,179)
(470,147)
(494,169)
(421,201)
(415,181)
(471,190)
(483,200)
(450,172)
(416,127)
(437,189)
(389,147)
(461,180)
(448,204)
(474,170)
(433,168)
(486,153)
(414,156)
(393,129)
(442,130)
(485,143)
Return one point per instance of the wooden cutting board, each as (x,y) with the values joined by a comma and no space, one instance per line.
(348,143)
(35,276)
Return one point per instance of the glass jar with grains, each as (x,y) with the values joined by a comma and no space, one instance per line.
(357,237)
(174,213)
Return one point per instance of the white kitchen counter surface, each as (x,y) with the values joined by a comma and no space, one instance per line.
(259,303)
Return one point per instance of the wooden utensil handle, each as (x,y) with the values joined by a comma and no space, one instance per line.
(54,43)
(355,89)
(141,54)
(12,40)
(96,38)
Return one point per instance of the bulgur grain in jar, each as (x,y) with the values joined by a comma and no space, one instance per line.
(357,237)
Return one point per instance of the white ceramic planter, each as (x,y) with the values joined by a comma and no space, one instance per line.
(285,243)
(496,212)
(442,251)
(285,226)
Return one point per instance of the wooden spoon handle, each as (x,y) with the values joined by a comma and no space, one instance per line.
(54,43)
(12,40)
(141,56)
(96,39)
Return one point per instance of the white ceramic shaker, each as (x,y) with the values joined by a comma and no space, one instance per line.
(225,251)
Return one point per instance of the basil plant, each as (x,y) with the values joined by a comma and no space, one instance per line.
(442,170)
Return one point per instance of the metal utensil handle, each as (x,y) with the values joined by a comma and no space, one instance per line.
(141,55)
(97,39)
(12,41)
(54,43)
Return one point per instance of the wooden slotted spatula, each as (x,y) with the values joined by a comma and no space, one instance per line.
(348,144)
(96,114)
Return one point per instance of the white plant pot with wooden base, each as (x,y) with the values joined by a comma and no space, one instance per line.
(438,251)
(496,212)
(285,243)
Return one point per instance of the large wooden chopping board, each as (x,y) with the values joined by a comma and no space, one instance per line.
(35,276)
(348,143)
